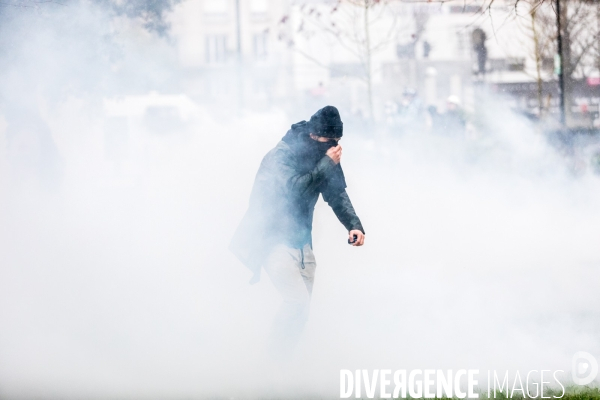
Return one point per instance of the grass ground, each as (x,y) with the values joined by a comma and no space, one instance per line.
(573,392)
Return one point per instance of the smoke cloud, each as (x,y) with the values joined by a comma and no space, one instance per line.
(116,281)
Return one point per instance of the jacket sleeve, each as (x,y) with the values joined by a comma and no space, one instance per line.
(313,179)
(342,207)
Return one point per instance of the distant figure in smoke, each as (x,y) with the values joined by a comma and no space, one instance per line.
(478,37)
(275,232)
(410,113)
(453,121)
(435,120)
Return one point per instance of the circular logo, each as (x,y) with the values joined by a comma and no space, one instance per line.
(584,368)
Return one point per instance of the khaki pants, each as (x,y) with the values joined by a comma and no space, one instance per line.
(292,272)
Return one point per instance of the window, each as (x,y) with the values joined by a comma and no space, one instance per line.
(340,70)
(216,49)
(465,9)
(259,45)
(463,39)
(507,64)
(515,64)
(547,63)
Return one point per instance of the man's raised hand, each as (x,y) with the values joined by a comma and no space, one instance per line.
(335,153)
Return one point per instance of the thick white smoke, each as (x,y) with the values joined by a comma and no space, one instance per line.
(116,281)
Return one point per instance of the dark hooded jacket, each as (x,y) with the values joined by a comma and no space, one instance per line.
(286,188)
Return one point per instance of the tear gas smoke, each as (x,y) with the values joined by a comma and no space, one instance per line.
(116,281)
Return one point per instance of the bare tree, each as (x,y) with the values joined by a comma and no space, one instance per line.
(580,28)
(537,24)
(350,25)
(152,13)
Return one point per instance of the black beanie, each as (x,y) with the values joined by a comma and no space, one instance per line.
(327,123)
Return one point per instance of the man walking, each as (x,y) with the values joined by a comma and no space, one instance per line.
(275,233)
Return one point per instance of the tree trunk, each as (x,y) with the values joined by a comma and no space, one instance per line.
(567,61)
(598,31)
(536,44)
(368,61)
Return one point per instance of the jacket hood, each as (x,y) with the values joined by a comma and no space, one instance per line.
(296,133)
